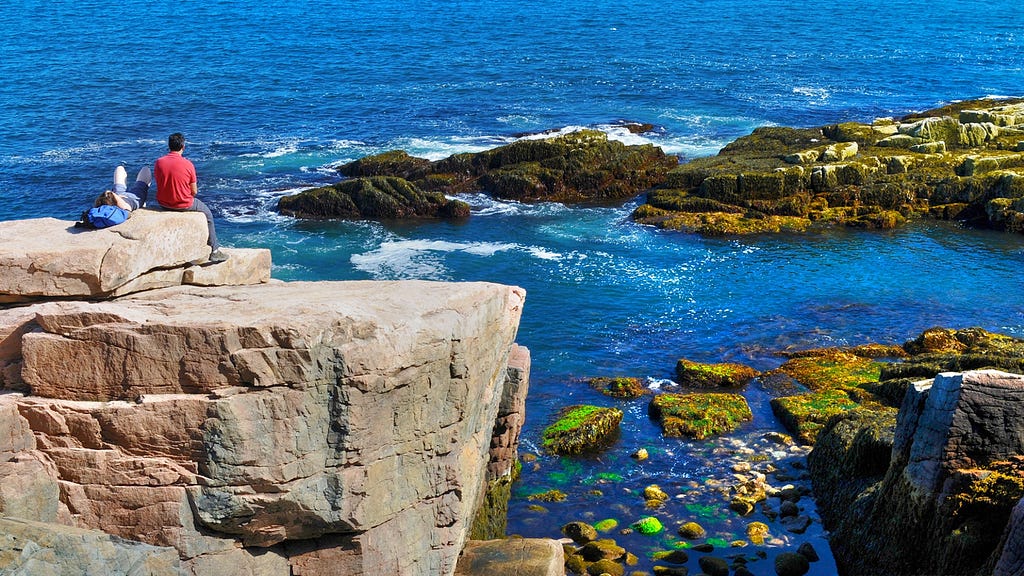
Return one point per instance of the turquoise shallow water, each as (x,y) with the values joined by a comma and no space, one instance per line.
(273,96)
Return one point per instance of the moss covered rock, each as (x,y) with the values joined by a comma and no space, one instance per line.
(699,375)
(621,387)
(648,525)
(699,415)
(581,429)
(377,197)
(692,531)
(804,415)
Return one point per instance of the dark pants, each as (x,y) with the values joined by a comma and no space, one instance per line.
(198,206)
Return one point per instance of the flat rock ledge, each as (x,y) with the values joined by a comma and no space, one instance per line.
(273,429)
(46,258)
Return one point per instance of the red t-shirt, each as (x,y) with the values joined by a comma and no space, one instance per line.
(174,175)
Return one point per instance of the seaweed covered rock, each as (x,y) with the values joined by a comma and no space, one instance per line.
(699,415)
(960,162)
(582,166)
(374,197)
(724,375)
(806,414)
(621,387)
(941,498)
(581,429)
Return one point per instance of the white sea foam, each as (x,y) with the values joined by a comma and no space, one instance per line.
(813,93)
(424,259)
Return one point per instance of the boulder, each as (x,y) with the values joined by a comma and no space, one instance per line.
(275,415)
(511,557)
(46,258)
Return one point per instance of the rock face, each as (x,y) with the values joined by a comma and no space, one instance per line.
(945,500)
(281,428)
(961,162)
(47,258)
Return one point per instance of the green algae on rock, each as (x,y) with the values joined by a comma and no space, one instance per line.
(375,197)
(725,374)
(648,525)
(806,414)
(699,415)
(582,429)
(621,387)
(553,495)
(961,162)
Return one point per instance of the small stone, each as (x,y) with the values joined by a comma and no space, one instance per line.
(791,564)
(741,467)
(640,454)
(610,567)
(580,532)
(692,531)
(739,544)
(797,525)
(605,549)
(779,438)
(788,509)
(673,557)
(703,548)
(757,532)
(654,492)
(648,525)
(713,566)
(671,571)
(807,551)
(575,564)
(741,507)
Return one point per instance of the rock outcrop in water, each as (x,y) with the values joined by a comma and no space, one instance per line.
(938,489)
(272,429)
(962,162)
(574,168)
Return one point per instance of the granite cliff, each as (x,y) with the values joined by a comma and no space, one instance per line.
(257,428)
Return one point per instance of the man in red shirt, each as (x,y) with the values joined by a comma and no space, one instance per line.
(176,188)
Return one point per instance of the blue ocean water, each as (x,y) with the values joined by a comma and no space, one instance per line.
(273,96)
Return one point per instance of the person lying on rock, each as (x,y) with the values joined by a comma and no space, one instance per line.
(176,189)
(124,197)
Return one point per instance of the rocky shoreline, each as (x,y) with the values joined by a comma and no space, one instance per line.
(166,416)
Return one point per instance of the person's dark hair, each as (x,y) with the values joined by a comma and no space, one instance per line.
(108,198)
(176,142)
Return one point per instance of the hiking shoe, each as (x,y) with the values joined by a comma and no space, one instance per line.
(217,256)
